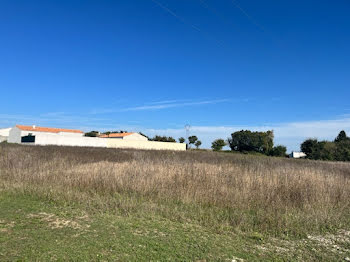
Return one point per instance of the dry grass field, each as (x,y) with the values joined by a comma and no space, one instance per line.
(263,200)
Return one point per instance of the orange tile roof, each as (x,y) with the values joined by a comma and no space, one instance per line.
(47,129)
(116,135)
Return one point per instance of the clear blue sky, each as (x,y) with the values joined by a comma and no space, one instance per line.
(154,66)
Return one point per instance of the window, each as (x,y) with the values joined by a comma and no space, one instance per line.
(28,139)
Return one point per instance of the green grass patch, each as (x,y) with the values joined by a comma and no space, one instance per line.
(32,228)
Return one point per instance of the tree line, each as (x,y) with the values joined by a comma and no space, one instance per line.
(246,141)
(336,150)
(262,142)
(97,133)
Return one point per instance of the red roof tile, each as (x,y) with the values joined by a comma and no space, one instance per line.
(116,135)
(47,129)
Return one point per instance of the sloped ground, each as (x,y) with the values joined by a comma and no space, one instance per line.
(35,229)
(61,203)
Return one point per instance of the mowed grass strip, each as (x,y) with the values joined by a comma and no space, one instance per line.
(34,229)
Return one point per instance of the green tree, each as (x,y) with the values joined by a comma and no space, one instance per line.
(92,134)
(327,150)
(341,137)
(280,151)
(338,150)
(198,143)
(218,144)
(249,141)
(342,151)
(182,140)
(309,147)
(163,139)
(192,139)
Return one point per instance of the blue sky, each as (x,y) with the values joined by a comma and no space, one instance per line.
(156,65)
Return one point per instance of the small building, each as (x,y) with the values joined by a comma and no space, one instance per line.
(297,155)
(4,134)
(125,136)
(40,135)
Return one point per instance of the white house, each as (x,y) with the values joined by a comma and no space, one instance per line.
(4,133)
(297,155)
(41,135)
(125,136)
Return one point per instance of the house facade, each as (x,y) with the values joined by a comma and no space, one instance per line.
(41,135)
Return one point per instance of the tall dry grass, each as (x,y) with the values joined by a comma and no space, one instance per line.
(223,191)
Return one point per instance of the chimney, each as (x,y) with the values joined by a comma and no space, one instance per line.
(33,126)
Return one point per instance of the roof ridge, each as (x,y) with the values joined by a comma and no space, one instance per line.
(117,134)
(47,129)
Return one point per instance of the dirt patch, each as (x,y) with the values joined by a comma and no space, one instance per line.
(235,259)
(56,222)
(331,242)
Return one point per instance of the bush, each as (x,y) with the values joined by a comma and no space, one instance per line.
(163,139)
(280,151)
(218,144)
(92,134)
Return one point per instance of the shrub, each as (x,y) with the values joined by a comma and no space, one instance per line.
(218,144)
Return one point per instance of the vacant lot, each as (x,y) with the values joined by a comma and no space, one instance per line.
(59,203)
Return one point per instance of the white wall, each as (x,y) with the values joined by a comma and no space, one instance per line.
(4,134)
(55,139)
(297,154)
(71,134)
(52,139)
(5,131)
(154,145)
(44,138)
(14,135)
(135,137)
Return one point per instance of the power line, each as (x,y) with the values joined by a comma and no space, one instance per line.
(261,27)
(214,11)
(247,15)
(175,15)
(181,19)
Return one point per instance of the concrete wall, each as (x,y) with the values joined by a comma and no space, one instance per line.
(4,134)
(54,139)
(116,143)
(14,135)
(71,134)
(135,137)
(43,138)
(5,131)
(49,139)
